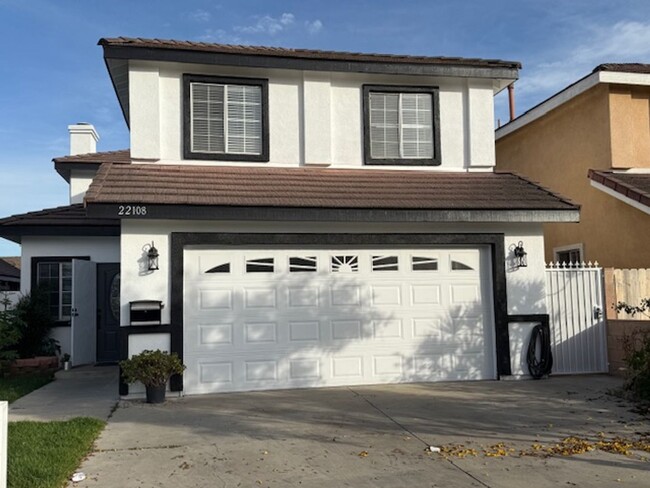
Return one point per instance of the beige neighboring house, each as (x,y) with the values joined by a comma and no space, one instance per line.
(591,143)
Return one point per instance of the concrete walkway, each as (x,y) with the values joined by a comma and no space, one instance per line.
(87,391)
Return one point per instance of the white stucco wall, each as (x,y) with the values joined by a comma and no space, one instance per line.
(80,180)
(525,286)
(314,117)
(99,249)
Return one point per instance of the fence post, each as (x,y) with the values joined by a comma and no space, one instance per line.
(610,294)
(4,418)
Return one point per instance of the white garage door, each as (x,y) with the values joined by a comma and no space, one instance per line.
(288,318)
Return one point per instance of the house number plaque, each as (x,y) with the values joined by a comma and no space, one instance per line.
(131,210)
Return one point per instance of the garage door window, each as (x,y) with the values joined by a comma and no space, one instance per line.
(345,264)
(307,264)
(263,265)
(222,268)
(424,263)
(385,263)
(460,266)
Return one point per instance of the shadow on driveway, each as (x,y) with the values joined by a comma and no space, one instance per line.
(369,436)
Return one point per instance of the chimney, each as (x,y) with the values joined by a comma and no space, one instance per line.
(83,138)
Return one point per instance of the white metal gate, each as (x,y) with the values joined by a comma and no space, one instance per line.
(574,297)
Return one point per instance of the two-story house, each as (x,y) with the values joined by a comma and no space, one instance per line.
(591,142)
(305,218)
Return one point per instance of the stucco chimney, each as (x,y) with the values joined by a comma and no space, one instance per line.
(83,138)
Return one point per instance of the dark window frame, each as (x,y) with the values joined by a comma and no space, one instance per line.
(52,259)
(188,79)
(434,91)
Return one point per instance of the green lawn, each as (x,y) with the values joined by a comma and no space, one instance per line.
(11,389)
(45,454)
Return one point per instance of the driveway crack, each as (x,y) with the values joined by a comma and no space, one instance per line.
(415,436)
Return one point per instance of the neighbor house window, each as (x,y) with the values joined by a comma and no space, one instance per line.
(55,278)
(569,254)
(401,125)
(226,118)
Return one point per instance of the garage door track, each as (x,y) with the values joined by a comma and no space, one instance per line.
(374,436)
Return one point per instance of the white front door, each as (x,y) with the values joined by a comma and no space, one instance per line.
(287,318)
(83,320)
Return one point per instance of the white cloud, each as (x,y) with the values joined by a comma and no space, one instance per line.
(268,25)
(200,15)
(313,27)
(625,41)
(221,36)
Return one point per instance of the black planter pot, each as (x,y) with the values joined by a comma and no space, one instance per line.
(156,394)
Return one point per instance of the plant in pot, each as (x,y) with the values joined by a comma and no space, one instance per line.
(153,369)
(65,361)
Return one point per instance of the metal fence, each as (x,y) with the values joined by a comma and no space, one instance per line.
(574,298)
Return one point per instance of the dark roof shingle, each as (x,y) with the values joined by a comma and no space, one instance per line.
(311,54)
(69,215)
(252,186)
(624,67)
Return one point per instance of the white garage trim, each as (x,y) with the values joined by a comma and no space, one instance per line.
(494,241)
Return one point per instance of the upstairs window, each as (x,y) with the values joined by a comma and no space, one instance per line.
(226,118)
(401,125)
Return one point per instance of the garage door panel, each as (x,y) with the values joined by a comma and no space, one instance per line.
(299,318)
(216,299)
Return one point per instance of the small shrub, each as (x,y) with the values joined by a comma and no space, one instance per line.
(151,368)
(10,331)
(636,347)
(33,310)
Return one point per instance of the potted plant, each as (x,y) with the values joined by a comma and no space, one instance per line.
(65,360)
(153,369)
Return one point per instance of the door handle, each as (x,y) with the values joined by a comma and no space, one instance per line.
(74,312)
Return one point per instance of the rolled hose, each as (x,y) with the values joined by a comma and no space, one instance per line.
(541,366)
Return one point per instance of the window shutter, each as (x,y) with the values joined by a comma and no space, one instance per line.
(207,118)
(417,125)
(244,134)
(384,125)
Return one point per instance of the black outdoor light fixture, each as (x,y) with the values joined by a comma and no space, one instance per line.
(521,261)
(152,256)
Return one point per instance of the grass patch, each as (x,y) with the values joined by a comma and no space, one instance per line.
(45,454)
(11,389)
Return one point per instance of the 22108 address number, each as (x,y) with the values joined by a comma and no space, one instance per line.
(131,210)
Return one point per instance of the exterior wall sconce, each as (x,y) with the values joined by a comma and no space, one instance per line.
(521,260)
(152,256)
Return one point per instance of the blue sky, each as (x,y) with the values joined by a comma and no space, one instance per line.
(52,73)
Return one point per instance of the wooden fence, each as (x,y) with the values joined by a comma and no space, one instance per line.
(626,285)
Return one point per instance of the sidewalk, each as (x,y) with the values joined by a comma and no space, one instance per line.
(87,391)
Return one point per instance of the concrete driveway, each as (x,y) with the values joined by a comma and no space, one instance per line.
(372,436)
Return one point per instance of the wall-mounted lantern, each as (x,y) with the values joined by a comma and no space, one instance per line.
(152,257)
(521,260)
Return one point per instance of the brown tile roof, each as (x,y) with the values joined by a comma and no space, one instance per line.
(624,67)
(12,260)
(631,185)
(7,269)
(310,54)
(69,215)
(318,188)
(122,156)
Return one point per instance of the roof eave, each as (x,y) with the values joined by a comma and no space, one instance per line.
(284,62)
(331,214)
(601,185)
(65,169)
